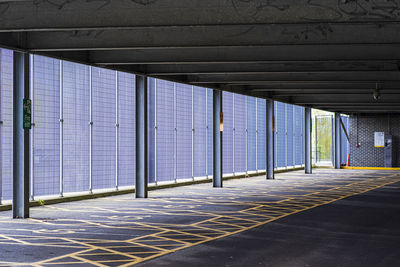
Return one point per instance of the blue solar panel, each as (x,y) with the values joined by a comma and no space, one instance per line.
(240,133)
(165,130)
(76,128)
(46,113)
(251,133)
(127,129)
(200,121)
(6,129)
(151,128)
(227,135)
(104,136)
(290,135)
(210,131)
(280,134)
(184,131)
(261,131)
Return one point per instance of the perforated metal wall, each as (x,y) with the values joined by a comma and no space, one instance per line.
(227,135)
(46,130)
(251,133)
(76,110)
(126,129)
(6,128)
(165,130)
(240,133)
(94,109)
(199,131)
(261,134)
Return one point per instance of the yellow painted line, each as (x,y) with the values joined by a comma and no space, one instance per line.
(91,248)
(49,261)
(14,239)
(262,223)
(182,242)
(75,263)
(177,233)
(88,261)
(370,168)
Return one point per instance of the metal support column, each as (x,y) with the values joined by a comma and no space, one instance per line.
(307,140)
(270,158)
(141,137)
(337,141)
(20,204)
(217,138)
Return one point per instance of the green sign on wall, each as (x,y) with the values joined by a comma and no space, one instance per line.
(27,114)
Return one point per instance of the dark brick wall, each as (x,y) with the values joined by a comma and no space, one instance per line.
(364,127)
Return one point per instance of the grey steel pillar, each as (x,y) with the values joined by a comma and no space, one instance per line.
(20,204)
(337,141)
(141,137)
(270,139)
(307,140)
(217,138)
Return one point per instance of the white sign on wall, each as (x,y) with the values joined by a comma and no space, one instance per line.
(379,139)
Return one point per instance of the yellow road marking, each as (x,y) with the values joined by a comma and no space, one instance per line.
(218,224)
(370,168)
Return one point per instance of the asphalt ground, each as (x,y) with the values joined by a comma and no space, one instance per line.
(362,230)
(328,218)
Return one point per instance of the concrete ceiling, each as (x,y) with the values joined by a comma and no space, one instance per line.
(324,54)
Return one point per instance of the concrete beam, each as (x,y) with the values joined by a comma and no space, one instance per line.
(380,76)
(319,86)
(50,15)
(343,92)
(264,66)
(307,53)
(344,100)
(155,37)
